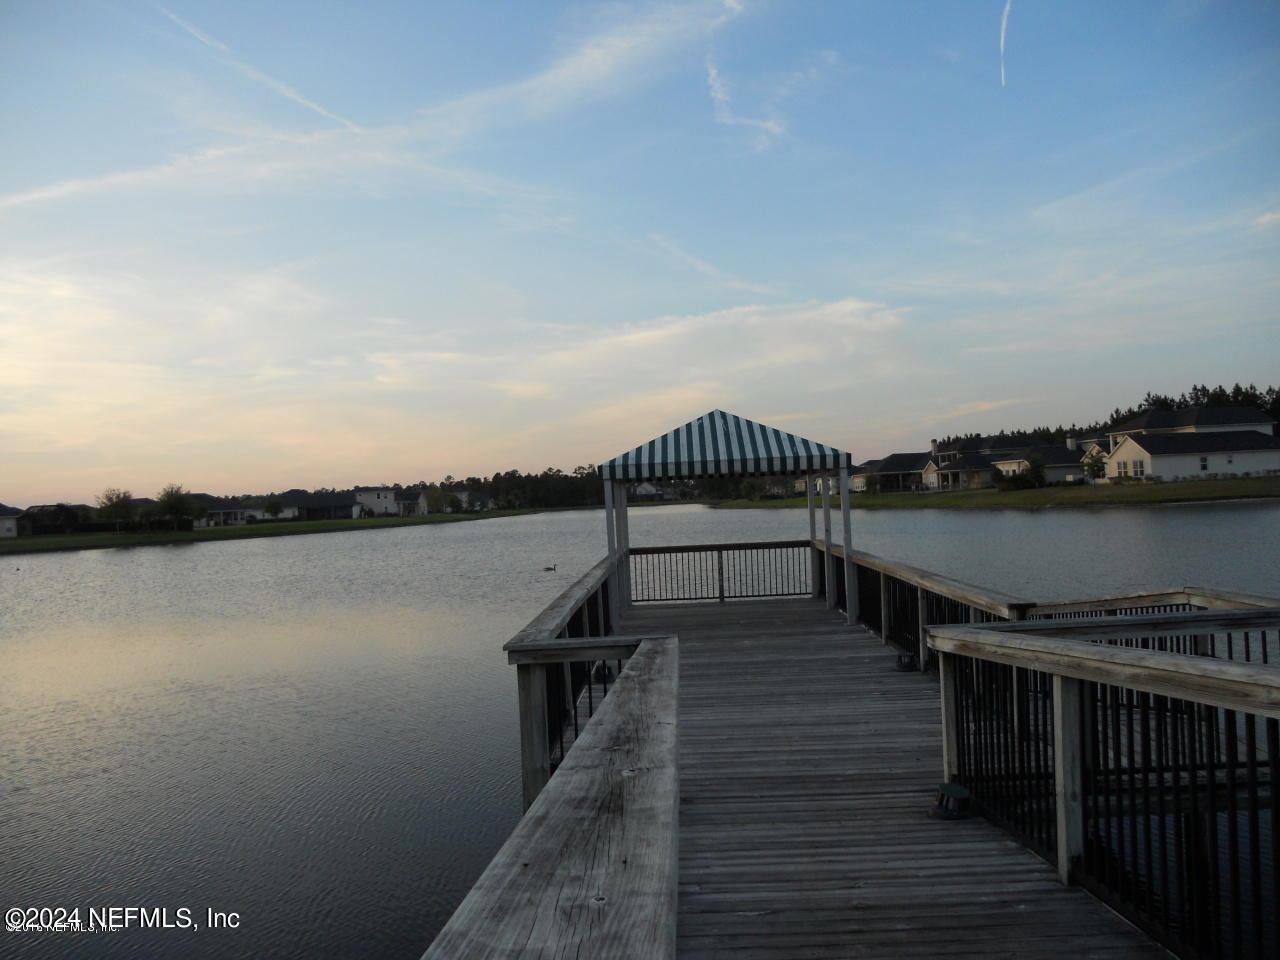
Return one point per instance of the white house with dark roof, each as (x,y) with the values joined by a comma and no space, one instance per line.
(1194,456)
(1193,420)
(1061,461)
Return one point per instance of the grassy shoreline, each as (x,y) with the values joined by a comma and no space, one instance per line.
(1093,496)
(291,528)
(1103,495)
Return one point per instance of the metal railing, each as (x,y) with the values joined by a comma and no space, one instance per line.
(721,571)
(1004,740)
(1145,775)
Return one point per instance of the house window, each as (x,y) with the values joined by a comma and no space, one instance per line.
(1122,468)
(1139,468)
(1231,458)
(1204,463)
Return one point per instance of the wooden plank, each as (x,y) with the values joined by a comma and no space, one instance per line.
(807,766)
(591,869)
(1249,687)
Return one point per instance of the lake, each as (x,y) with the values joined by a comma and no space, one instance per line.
(319,734)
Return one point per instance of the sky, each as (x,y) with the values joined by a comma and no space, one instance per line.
(247,247)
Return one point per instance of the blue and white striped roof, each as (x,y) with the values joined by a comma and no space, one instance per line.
(719,444)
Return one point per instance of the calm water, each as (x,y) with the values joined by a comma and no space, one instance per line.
(319,732)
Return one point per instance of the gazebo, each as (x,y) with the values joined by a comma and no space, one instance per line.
(720,444)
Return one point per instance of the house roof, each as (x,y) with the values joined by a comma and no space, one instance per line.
(210,502)
(6,511)
(409,495)
(1050,454)
(967,461)
(902,463)
(867,466)
(1162,444)
(720,444)
(301,498)
(1192,417)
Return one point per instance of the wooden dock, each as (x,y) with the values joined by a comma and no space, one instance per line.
(807,766)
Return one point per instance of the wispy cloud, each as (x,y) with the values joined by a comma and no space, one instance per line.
(1004,29)
(1268,219)
(599,65)
(708,269)
(972,407)
(253,73)
(770,125)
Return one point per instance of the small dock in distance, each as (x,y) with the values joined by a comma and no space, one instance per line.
(808,765)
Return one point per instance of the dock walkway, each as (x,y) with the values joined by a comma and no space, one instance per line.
(807,767)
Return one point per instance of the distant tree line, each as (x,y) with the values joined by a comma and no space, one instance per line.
(1267,400)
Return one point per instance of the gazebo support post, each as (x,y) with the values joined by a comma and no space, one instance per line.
(624,544)
(828,563)
(815,555)
(615,580)
(850,574)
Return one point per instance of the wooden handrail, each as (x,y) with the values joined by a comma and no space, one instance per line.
(571,649)
(992,601)
(1154,625)
(711,547)
(1248,687)
(1205,597)
(557,613)
(591,868)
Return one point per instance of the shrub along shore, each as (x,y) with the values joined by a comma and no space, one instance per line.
(1098,495)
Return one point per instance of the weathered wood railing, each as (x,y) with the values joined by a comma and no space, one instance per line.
(591,869)
(721,571)
(897,601)
(1147,776)
(560,657)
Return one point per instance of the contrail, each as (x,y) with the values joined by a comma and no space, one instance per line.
(253,73)
(1004,28)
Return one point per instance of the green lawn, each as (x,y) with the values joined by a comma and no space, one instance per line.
(1086,496)
(89,541)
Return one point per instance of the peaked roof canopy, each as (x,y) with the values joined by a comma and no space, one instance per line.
(719,444)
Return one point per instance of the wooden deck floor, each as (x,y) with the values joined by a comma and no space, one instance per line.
(807,767)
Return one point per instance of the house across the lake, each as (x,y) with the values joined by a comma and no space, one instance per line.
(1194,456)
(1193,420)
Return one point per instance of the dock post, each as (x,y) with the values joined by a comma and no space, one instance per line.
(535,750)
(884,607)
(815,555)
(624,546)
(1068,772)
(611,528)
(850,577)
(922,635)
(950,698)
(828,562)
